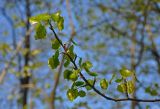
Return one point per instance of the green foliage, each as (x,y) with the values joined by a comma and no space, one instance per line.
(55,44)
(124,86)
(128,86)
(53,62)
(58,20)
(72,94)
(71,75)
(40,32)
(119,80)
(104,84)
(67,74)
(39,18)
(74,75)
(151,91)
(45,18)
(67,62)
(125,72)
(79,83)
(87,65)
(70,51)
(113,76)
(91,83)
(82,93)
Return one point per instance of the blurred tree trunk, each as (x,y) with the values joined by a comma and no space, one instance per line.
(25,80)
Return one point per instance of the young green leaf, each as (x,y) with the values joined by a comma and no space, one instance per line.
(113,76)
(90,82)
(121,88)
(58,19)
(125,72)
(67,74)
(40,32)
(130,87)
(74,75)
(40,17)
(104,84)
(154,92)
(70,51)
(92,73)
(72,94)
(79,83)
(53,62)
(82,93)
(55,44)
(56,16)
(67,62)
(119,80)
(87,65)
(60,24)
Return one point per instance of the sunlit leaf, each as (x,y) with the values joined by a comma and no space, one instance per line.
(55,44)
(129,87)
(87,65)
(125,72)
(58,19)
(53,62)
(74,75)
(56,16)
(104,84)
(121,88)
(91,83)
(70,51)
(40,17)
(67,74)
(72,94)
(40,32)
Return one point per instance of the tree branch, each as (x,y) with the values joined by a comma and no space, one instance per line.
(93,87)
